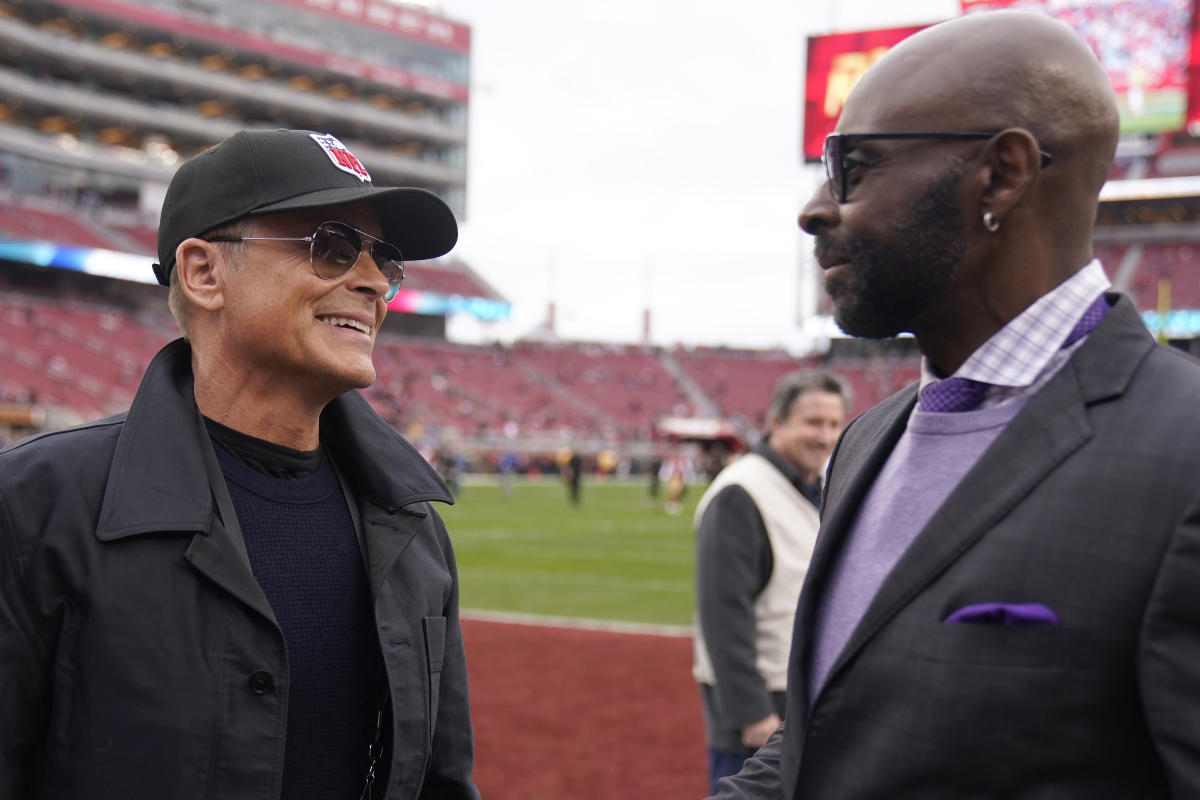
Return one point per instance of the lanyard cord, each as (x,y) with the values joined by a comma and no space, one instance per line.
(374,749)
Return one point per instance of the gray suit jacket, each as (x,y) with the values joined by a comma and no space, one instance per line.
(1088,503)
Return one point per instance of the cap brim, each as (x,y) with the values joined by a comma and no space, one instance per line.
(418,222)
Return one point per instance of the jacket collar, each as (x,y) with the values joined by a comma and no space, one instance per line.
(1105,364)
(159,481)
(811,491)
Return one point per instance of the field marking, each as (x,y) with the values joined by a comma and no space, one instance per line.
(574,579)
(597,554)
(577,623)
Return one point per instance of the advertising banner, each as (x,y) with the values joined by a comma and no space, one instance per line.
(835,63)
(1145,46)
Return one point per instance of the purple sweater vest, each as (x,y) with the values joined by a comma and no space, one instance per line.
(931,458)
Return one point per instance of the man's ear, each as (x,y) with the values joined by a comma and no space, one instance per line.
(202,270)
(1013,163)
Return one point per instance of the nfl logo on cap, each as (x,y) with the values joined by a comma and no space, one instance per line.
(342,158)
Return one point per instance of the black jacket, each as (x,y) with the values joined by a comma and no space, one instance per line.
(138,655)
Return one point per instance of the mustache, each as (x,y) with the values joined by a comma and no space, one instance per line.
(829,252)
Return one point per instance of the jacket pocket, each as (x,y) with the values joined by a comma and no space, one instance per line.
(435,651)
(1016,647)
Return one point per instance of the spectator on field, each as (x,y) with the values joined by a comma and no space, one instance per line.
(1002,601)
(239,587)
(573,473)
(676,473)
(755,529)
(449,465)
(652,474)
(508,472)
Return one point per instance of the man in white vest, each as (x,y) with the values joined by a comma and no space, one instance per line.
(755,529)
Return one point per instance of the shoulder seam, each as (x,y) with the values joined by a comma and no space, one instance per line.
(100,423)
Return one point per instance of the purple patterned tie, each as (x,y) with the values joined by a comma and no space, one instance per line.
(965,394)
(1090,319)
(953,394)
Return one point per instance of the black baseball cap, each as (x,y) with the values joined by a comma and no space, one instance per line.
(264,172)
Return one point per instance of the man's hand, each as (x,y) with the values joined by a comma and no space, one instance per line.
(755,734)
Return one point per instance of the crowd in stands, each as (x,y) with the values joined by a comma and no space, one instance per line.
(74,355)
(88,357)
(1142,43)
(72,346)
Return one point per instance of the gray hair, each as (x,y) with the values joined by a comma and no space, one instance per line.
(794,384)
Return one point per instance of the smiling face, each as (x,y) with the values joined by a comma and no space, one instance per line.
(281,322)
(806,436)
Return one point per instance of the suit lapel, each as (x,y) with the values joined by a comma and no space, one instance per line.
(1053,424)
(1051,427)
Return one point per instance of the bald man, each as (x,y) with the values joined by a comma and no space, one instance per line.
(1004,599)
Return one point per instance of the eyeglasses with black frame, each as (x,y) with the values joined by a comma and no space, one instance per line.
(837,145)
(334,248)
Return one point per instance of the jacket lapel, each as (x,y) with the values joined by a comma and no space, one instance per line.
(215,556)
(157,481)
(1053,424)
(388,532)
(387,476)
(165,478)
(377,461)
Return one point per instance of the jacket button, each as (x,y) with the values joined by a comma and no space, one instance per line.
(261,681)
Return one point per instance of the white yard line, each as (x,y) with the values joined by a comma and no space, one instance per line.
(577,623)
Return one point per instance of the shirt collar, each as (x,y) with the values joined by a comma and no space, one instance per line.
(1020,351)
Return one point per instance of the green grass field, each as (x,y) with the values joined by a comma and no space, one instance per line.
(619,556)
(1165,110)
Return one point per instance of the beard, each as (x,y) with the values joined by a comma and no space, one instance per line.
(891,282)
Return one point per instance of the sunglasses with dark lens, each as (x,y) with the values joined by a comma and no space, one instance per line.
(334,248)
(837,145)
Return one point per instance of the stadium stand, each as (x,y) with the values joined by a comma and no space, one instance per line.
(1174,267)
(88,356)
(48,221)
(737,381)
(99,101)
(73,354)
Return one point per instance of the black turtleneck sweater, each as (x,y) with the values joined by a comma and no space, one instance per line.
(304,551)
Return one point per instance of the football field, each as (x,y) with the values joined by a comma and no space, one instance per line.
(617,556)
(577,651)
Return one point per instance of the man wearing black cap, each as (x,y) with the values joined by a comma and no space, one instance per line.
(238,588)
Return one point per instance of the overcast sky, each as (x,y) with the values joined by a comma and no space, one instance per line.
(628,153)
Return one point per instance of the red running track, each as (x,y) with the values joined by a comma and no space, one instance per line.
(568,714)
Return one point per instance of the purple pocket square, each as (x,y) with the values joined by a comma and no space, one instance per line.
(1004,614)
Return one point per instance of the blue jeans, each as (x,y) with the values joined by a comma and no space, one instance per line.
(721,764)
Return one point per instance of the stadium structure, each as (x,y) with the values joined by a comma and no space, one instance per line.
(101,99)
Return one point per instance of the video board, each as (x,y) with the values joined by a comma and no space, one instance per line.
(1145,46)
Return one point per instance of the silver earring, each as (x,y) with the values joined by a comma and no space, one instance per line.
(990,222)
